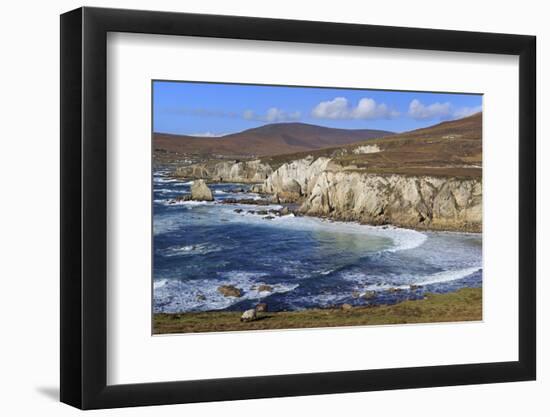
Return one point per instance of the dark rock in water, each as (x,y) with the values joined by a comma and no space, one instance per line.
(261,212)
(265,287)
(356,294)
(346,307)
(394,290)
(237,190)
(201,297)
(185,197)
(414,287)
(369,295)
(249,315)
(284,211)
(229,291)
(261,307)
(238,210)
(269,217)
(250,201)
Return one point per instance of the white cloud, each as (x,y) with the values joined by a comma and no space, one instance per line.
(340,108)
(272,115)
(419,111)
(442,111)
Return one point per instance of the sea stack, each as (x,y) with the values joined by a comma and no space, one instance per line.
(200,191)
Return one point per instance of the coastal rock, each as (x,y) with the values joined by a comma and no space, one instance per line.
(295,179)
(408,201)
(366,149)
(180,198)
(261,308)
(229,291)
(346,307)
(265,287)
(257,188)
(369,295)
(249,315)
(250,201)
(253,171)
(200,191)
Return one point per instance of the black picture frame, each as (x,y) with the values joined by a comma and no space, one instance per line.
(84,207)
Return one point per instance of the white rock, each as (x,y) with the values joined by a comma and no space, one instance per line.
(249,315)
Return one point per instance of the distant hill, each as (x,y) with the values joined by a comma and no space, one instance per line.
(272,139)
(448,148)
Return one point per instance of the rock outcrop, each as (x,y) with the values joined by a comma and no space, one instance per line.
(229,291)
(249,315)
(200,191)
(328,190)
(227,171)
(295,179)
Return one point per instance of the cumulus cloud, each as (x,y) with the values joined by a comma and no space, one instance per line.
(340,108)
(272,115)
(442,111)
(419,111)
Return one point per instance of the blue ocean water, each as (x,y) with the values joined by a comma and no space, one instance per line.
(307,262)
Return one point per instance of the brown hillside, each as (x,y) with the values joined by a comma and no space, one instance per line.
(448,148)
(272,139)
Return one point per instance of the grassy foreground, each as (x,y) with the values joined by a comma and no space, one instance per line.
(462,305)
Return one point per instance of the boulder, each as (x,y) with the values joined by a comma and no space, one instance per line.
(369,294)
(261,307)
(229,291)
(249,315)
(200,191)
(346,307)
(265,287)
(201,297)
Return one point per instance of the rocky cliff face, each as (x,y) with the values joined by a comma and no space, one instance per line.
(227,171)
(327,189)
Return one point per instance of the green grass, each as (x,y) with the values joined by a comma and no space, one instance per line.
(462,305)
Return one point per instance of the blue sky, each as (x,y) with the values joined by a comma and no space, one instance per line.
(208,109)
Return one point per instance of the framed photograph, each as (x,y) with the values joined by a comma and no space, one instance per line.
(256,208)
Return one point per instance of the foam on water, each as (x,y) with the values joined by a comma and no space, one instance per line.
(202,294)
(402,239)
(404,282)
(184,250)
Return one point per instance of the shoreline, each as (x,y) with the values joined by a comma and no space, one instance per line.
(336,218)
(462,305)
